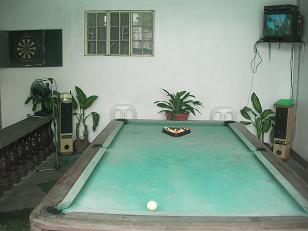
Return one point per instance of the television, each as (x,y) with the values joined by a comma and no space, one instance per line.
(282,23)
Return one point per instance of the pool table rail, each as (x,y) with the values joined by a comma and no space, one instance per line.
(110,222)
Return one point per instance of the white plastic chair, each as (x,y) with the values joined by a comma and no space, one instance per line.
(223,113)
(123,111)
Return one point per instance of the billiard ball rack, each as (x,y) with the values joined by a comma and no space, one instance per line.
(176,132)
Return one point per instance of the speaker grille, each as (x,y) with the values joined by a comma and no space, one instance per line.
(66,118)
(281,123)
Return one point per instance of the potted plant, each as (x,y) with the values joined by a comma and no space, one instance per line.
(41,95)
(179,105)
(262,120)
(80,106)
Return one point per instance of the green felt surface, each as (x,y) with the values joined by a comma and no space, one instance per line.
(209,172)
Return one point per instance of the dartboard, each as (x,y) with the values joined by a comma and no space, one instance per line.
(26,48)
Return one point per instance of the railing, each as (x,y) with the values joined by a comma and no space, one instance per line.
(23,146)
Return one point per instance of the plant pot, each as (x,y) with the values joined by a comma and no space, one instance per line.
(181,116)
(80,145)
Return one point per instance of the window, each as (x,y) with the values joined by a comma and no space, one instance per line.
(96,33)
(142,39)
(119,33)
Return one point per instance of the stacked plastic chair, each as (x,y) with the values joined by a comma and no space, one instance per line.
(123,111)
(223,113)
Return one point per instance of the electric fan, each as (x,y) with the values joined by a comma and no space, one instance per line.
(41,95)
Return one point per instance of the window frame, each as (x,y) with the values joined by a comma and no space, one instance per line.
(108,33)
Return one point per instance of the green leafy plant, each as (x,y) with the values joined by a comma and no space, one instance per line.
(80,106)
(262,120)
(179,103)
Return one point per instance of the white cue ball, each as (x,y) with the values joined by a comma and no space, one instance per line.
(152,205)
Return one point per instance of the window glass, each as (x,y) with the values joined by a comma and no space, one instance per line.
(124,19)
(91,19)
(136,19)
(101,33)
(102,19)
(91,33)
(114,35)
(114,47)
(147,47)
(137,47)
(91,47)
(148,19)
(101,47)
(114,19)
(124,48)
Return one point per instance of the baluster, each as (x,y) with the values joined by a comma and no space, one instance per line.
(40,146)
(45,140)
(35,154)
(5,184)
(14,177)
(21,162)
(2,174)
(30,165)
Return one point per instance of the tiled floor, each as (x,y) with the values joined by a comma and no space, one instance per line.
(27,193)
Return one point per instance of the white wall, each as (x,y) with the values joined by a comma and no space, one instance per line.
(204,46)
(300,139)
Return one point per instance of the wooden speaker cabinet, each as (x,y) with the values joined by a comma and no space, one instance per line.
(65,124)
(283,128)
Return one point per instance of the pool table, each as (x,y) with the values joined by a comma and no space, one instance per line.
(218,177)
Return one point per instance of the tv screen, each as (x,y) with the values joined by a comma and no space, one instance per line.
(279,24)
